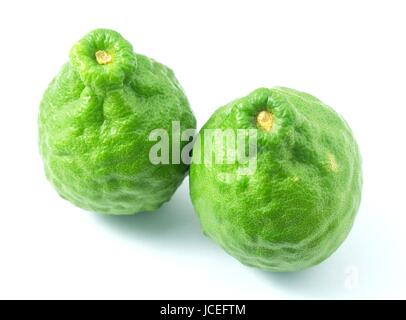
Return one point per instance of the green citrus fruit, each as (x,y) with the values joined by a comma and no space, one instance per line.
(94,125)
(298,205)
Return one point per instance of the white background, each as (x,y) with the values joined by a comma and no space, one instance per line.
(350,54)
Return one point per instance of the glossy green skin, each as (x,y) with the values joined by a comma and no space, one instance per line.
(94,125)
(300,204)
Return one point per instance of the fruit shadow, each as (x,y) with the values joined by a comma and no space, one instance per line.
(346,274)
(173,226)
(320,282)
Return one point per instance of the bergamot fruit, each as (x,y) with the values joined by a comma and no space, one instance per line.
(94,125)
(299,203)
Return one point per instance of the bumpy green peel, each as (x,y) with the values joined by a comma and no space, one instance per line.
(300,204)
(95,119)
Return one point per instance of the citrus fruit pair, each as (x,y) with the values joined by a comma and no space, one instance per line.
(289,211)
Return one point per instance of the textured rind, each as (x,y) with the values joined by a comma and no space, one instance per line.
(300,204)
(94,126)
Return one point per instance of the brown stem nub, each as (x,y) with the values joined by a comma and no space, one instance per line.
(265,120)
(103,57)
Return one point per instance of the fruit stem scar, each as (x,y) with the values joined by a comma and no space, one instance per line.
(103,57)
(265,120)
